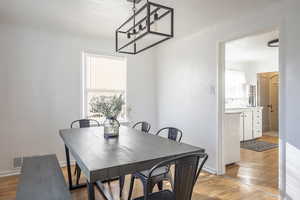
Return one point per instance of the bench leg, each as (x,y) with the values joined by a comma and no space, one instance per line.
(69,167)
(91,191)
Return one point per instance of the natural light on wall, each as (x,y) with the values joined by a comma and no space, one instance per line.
(105,76)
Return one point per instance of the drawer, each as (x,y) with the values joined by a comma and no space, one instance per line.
(257,122)
(257,134)
(258,116)
(258,129)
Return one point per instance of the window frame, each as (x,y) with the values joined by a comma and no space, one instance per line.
(85,90)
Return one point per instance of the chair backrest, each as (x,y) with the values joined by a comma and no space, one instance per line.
(172,133)
(84,123)
(143,126)
(191,160)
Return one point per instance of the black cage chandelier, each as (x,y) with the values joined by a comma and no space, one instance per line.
(149,26)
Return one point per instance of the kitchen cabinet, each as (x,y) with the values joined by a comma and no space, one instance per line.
(247,125)
(240,125)
(251,120)
(257,122)
(233,126)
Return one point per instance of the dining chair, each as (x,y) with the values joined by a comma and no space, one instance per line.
(142,126)
(82,123)
(192,160)
(161,174)
(170,132)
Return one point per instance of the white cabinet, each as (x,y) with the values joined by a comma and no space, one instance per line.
(251,122)
(247,125)
(233,125)
(240,125)
(257,122)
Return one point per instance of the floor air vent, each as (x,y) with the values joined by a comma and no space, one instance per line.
(17,162)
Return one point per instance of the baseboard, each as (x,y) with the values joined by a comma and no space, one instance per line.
(10,173)
(209,170)
(64,163)
(18,171)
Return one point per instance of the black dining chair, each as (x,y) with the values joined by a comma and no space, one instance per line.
(171,133)
(161,174)
(192,160)
(142,126)
(82,123)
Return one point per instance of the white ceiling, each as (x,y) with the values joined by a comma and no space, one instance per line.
(102,17)
(252,49)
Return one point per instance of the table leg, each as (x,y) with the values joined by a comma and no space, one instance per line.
(185,171)
(71,186)
(121,184)
(69,167)
(91,191)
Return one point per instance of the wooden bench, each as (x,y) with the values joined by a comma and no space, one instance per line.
(42,179)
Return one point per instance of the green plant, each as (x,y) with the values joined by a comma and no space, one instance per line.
(110,107)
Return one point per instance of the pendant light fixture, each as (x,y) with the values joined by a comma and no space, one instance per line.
(273,43)
(149,25)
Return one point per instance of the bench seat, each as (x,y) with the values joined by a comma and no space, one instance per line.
(42,179)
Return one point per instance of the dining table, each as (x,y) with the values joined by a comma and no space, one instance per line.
(101,158)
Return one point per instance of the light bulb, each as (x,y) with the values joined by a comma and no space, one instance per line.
(155,17)
(155,25)
(140,27)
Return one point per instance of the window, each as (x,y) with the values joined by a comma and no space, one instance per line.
(235,83)
(105,77)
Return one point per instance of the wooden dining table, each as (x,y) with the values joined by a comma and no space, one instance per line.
(101,158)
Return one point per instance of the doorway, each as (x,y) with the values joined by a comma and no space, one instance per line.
(268,87)
(250,111)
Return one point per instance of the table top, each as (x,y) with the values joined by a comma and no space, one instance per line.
(100,158)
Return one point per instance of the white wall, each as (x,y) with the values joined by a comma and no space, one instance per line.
(252,68)
(188,78)
(187,71)
(291,98)
(40,73)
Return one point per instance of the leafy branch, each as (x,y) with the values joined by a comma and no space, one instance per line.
(110,107)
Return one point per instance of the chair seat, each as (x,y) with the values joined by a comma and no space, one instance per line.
(157,172)
(162,195)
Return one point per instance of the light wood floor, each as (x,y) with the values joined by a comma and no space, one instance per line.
(255,177)
(258,168)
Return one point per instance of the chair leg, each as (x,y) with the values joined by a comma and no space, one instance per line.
(78,174)
(121,183)
(75,171)
(170,179)
(160,185)
(131,187)
(145,189)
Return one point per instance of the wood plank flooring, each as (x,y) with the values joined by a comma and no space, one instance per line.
(258,168)
(255,177)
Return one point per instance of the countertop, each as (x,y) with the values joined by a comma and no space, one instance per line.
(236,110)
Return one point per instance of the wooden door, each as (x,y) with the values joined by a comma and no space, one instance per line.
(263,99)
(273,108)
